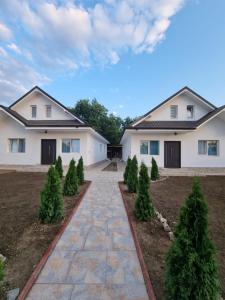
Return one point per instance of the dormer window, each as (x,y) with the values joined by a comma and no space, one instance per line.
(190,111)
(173,111)
(48,111)
(34,111)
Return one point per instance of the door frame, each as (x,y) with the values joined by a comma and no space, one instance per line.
(41,149)
(179,143)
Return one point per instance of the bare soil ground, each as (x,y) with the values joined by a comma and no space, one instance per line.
(168,196)
(111,167)
(23,239)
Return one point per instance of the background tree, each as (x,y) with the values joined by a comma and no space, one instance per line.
(126,172)
(154,170)
(51,204)
(191,270)
(132,178)
(58,166)
(80,171)
(144,209)
(71,181)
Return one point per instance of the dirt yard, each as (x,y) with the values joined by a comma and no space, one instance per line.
(168,196)
(23,239)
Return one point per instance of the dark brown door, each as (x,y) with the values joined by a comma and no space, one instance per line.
(172,157)
(48,152)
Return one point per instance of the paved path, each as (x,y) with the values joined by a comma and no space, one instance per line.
(95,259)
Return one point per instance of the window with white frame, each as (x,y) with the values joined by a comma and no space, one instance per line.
(210,148)
(149,147)
(154,147)
(48,111)
(17,145)
(71,146)
(173,111)
(33,111)
(190,111)
(144,147)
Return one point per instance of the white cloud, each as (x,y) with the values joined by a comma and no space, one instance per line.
(14,48)
(5,32)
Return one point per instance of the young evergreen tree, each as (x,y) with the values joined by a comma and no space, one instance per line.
(132,178)
(191,269)
(71,181)
(154,170)
(58,166)
(126,172)
(80,171)
(144,209)
(2,267)
(51,203)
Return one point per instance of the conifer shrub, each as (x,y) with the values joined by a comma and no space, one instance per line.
(154,170)
(126,172)
(191,269)
(132,178)
(51,207)
(2,267)
(71,180)
(58,166)
(144,209)
(80,171)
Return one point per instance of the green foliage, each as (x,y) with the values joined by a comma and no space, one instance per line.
(154,170)
(2,268)
(126,172)
(80,171)
(132,178)
(191,270)
(58,166)
(51,204)
(144,209)
(71,181)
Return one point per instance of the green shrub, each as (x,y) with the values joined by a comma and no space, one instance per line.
(71,180)
(2,267)
(154,170)
(51,204)
(58,166)
(191,270)
(144,209)
(80,171)
(126,172)
(132,178)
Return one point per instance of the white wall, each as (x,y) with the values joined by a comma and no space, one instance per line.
(96,149)
(126,151)
(213,130)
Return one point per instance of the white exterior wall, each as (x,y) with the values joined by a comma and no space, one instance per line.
(213,130)
(126,151)
(95,152)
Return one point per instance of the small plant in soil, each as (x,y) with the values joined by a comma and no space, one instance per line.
(191,269)
(144,209)
(51,207)
(154,170)
(132,178)
(126,172)
(71,181)
(80,171)
(58,166)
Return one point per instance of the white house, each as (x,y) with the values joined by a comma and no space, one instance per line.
(185,130)
(37,128)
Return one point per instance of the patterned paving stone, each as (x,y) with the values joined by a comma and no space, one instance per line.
(91,292)
(129,292)
(122,241)
(50,292)
(71,241)
(98,239)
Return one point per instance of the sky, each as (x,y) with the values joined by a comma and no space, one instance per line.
(128,54)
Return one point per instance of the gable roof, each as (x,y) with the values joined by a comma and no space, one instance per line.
(37,88)
(186,88)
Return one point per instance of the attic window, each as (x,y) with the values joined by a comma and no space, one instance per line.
(190,111)
(173,111)
(34,111)
(48,111)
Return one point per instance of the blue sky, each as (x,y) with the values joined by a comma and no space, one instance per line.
(129,54)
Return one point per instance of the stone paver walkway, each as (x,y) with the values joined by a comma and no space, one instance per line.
(95,259)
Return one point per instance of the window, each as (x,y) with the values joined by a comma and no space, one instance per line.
(154,147)
(144,147)
(190,111)
(17,145)
(48,111)
(173,111)
(210,148)
(33,111)
(70,146)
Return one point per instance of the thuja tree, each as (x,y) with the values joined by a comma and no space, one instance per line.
(71,181)
(58,166)
(144,209)
(2,267)
(132,178)
(51,204)
(80,171)
(154,170)
(126,172)
(191,270)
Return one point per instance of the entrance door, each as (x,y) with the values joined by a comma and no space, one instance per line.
(48,152)
(172,157)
